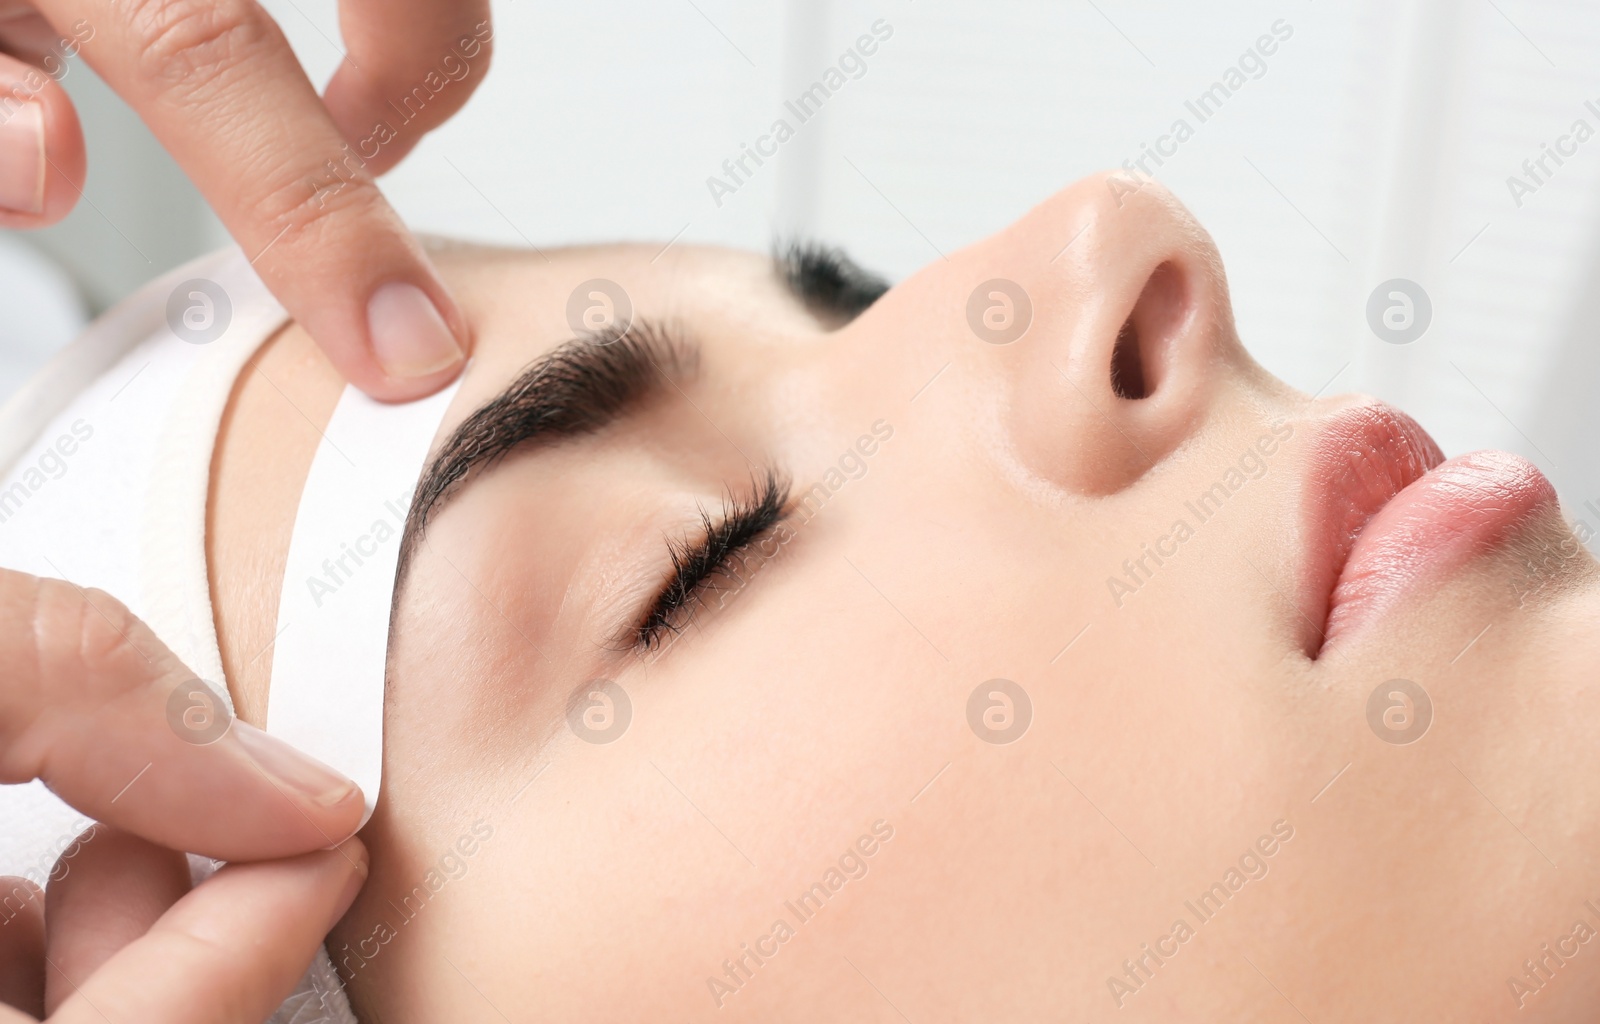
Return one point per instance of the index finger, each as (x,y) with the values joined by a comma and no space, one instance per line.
(96,706)
(218,85)
(230,951)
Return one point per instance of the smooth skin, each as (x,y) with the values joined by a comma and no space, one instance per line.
(1172,735)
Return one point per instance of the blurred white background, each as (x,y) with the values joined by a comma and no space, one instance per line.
(1376,144)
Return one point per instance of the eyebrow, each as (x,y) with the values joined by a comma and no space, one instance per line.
(575,389)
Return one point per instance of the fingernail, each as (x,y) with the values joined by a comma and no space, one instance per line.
(409,336)
(22,158)
(352,884)
(305,775)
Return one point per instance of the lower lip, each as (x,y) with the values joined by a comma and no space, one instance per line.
(1461,509)
(1392,512)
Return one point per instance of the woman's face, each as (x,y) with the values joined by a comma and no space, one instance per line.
(1085,667)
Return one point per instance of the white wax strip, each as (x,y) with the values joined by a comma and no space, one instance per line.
(329,661)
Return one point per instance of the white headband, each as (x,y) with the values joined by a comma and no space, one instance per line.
(328,666)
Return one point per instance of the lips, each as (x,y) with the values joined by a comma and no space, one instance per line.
(1387,511)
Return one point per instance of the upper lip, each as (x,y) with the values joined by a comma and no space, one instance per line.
(1361,459)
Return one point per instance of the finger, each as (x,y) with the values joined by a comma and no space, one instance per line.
(231,950)
(411,65)
(41,147)
(104,893)
(218,85)
(21,946)
(26,34)
(96,706)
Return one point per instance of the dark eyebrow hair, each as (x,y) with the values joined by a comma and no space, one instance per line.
(574,389)
(827,281)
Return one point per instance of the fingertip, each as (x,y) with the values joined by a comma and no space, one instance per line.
(21,903)
(416,342)
(327,801)
(22,945)
(352,862)
(345,861)
(42,161)
(16,885)
(357,850)
(412,339)
(341,871)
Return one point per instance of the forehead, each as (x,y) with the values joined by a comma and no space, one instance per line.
(517,297)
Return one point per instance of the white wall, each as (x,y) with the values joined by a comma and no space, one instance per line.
(1376,145)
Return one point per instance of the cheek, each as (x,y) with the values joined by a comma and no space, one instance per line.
(460,697)
(412,919)
(612,846)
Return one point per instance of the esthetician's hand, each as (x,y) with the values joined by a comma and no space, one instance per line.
(93,704)
(120,937)
(290,173)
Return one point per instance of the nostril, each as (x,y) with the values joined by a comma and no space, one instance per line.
(1142,351)
(1127,364)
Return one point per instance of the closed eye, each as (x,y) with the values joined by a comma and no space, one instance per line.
(703,563)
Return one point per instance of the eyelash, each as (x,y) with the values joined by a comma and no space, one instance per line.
(697,564)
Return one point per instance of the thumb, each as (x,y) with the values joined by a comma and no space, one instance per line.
(97,707)
(41,147)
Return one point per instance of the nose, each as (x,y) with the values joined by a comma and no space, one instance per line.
(1128,336)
